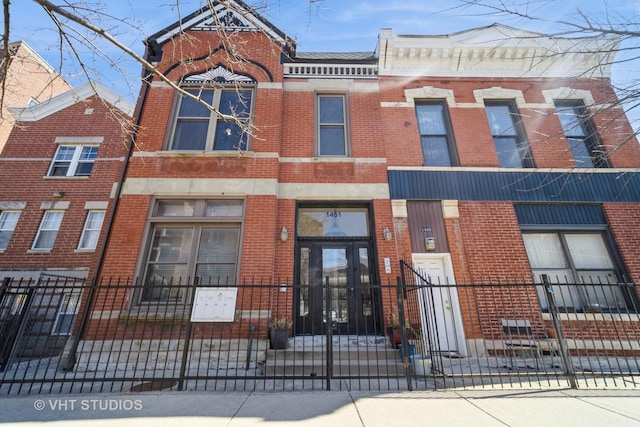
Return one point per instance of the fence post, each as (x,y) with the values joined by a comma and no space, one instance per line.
(557,326)
(329,333)
(400,291)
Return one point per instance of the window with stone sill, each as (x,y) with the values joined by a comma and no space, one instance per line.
(198,128)
(191,243)
(73,160)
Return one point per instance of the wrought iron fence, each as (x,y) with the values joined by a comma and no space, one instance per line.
(67,336)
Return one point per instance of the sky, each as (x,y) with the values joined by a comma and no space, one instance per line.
(316,25)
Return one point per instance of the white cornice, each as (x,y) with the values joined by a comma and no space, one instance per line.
(69,98)
(496,51)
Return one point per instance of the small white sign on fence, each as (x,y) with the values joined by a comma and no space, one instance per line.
(214,305)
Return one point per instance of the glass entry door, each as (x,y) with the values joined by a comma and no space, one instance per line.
(335,289)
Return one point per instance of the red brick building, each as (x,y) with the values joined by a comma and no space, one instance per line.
(57,174)
(473,158)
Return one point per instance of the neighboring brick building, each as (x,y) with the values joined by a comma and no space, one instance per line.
(57,173)
(29,79)
(471,153)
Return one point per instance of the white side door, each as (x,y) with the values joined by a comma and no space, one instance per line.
(444,318)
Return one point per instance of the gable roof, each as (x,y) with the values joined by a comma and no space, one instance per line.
(232,15)
(69,98)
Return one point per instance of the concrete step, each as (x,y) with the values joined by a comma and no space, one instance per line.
(296,362)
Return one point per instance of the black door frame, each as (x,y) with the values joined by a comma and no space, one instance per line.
(374,327)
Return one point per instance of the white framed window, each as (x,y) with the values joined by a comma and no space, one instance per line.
(200,129)
(8,222)
(332,125)
(91,230)
(192,242)
(67,311)
(48,230)
(73,160)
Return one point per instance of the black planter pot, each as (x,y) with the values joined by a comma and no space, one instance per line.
(279,338)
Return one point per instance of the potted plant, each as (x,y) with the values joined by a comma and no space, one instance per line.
(279,333)
(393,329)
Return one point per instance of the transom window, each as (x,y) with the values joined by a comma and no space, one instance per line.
(508,137)
(73,160)
(331,119)
(198,128)
(582,264)
(48,230)
(580,134)
(91,230)
(435,134)
(192,242)
(8,222)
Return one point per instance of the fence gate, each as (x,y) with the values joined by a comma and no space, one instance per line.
(14,307)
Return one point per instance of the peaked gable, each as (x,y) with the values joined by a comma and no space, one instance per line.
(232,15)
(66,99)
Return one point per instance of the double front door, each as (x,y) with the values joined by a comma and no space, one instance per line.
(336,289)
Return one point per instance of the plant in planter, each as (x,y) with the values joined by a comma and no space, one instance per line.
(279,333)
(393,329)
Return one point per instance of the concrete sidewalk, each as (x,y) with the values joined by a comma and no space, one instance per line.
(330,408)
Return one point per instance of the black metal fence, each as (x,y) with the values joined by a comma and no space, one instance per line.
(68,336)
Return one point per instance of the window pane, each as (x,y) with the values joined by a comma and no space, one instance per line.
(176,208)
(332,141)
(331,110)
(500,120)
(91,232)
(508,152)
(580,153)
(436,151)
(48,230)
(65,153)
(216,274)
(190,135)
(225,208)
(192,108)
(218,245)
(230,136)
(236,103)
(570,121)
(544,250)
(588,251)
(165,282)
(431,119)
(171,244)
(89,153)
(8,222)
(325,222)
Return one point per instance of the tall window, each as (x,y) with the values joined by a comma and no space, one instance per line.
(579,261)
(331,119)
(73,160)
(198,128)
(580,134)
(192,242)
(435,134)
(8,222)
(48,230)
(91,230)
(508,137)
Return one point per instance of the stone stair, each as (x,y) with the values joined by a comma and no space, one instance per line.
(351,356)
